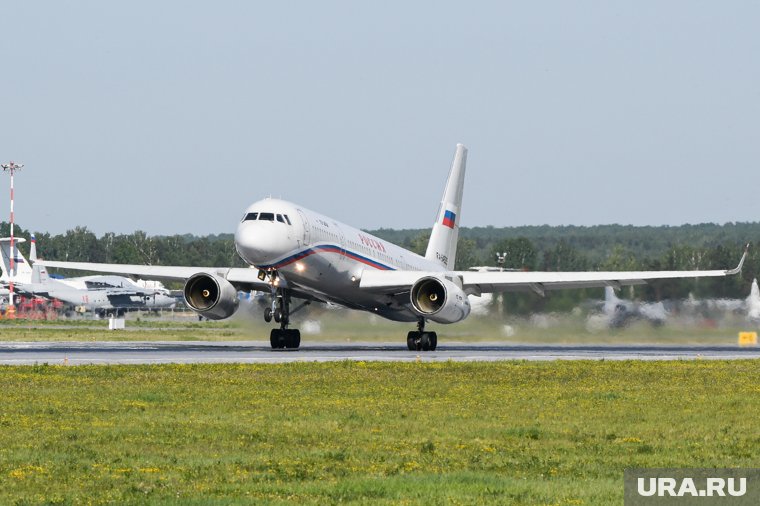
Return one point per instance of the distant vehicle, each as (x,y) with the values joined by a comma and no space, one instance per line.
(99,294)
(295,252)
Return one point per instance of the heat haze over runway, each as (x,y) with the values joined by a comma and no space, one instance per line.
(145,352)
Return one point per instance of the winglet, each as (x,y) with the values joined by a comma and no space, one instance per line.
(738,268)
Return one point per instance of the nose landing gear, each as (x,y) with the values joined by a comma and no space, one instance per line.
(280,311)
(420,340)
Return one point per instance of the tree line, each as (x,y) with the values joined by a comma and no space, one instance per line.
(543,248)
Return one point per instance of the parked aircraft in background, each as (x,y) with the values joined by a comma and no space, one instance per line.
(710,308)
(99,294)
(617,312)
(295,252)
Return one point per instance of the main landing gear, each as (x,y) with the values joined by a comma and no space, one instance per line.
(420,340)
(280,311)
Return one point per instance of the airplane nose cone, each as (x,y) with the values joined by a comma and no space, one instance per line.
(260,243)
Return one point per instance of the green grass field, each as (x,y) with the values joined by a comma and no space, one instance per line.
(137,330)
(549,433)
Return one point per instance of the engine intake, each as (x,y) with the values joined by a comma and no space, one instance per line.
(211,296)
(439,300)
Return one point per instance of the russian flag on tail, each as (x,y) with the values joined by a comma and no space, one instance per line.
(449,218)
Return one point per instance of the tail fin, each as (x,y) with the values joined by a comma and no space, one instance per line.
(753,303)
(442,247)
(33,250)
(22,270)
(39,273)
(611,300)
(754,291)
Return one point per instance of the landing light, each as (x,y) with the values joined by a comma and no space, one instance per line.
(300,267)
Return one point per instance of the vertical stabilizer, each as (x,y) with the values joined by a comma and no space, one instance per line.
(611,301)
(23,272)
(39,273)
(753,303)
(442,247)
(33,250)
(754,291)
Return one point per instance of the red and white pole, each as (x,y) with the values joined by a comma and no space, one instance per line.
(11,311)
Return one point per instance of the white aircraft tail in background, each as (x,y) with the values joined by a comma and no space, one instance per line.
(753,303)
(22,269)
(39,272)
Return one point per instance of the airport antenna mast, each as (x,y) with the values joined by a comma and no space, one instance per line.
(11,167)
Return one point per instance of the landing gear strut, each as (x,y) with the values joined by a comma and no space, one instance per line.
(420,340)
(280,311)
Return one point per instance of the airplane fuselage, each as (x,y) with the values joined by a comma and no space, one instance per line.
(322,257)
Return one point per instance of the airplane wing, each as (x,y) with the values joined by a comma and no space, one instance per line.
(475,283)
(241,278)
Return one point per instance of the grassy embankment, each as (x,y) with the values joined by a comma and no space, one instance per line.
(502,433)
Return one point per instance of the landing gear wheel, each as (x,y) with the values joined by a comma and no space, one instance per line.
(411,340)
(268,314)
(277,339)
(433,340)
(425,341)
(285,338)
(278,315)
(293,338)
(420,340)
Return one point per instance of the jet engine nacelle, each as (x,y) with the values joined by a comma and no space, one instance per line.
(439,300)
(211,296)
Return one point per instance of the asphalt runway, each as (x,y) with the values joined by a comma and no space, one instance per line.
(152,352)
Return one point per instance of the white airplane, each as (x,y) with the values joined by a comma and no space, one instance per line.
(295,252)
(100,294)
(618,312)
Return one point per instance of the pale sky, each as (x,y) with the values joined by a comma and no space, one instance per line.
(173,116)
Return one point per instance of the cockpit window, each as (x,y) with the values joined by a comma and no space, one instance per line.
(282,218)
